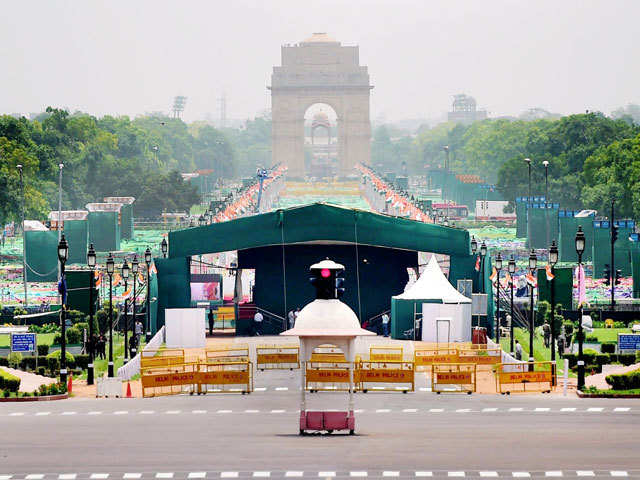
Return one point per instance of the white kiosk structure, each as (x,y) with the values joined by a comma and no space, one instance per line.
(327,320)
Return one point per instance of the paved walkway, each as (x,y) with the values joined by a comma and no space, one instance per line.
(598,380)
(29,381)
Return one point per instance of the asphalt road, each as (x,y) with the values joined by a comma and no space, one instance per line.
(258,433)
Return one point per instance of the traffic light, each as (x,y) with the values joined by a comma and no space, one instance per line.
(618,277)
(339,284)
(614,233)
(607,274)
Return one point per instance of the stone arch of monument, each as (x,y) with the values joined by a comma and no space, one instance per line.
(320,70)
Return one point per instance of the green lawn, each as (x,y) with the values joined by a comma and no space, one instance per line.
(540,353)
(608,334)
(101,366)
(43,339)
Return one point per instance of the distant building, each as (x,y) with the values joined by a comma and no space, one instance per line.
(465,110)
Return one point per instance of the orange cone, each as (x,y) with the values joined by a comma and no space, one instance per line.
(129,390)
(70,383)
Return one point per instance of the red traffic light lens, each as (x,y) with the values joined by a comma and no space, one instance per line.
(325,273)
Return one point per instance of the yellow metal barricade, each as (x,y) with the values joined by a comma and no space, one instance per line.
(237,351)
(425,357)
(453,378)
(172,380)
(227,376)
(525,377)
(162,358)
(385,376)
(270,357)
(327,354)
(381,353)
(480,355)
(327,377)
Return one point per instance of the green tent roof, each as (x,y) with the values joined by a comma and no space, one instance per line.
(318,222)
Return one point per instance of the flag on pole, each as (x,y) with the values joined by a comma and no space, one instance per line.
(582,288)
(478,264)
(507,279)
(531,280)
(494,275)
(140,279)
(550,276)
(127,292)
(116,279)
(152,269)
(98,281)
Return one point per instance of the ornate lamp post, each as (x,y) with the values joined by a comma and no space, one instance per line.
(483,253)
(580,243)
(533,263)
(91,262)
(110,270)
(164,246)
(498,268)
(63,254)
(147,260)
(125,277)
(512,271)
(134,270)
(553,259)
(474,245)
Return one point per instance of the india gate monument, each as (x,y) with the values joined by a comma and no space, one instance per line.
(320,70)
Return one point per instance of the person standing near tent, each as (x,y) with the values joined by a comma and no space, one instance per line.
(546,330)
(257,322)
(210,316)
(385,324)
(518,350)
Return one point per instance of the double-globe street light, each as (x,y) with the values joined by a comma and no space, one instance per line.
(63,255)
(580,243)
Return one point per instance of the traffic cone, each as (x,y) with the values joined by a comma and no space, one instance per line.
(129,390)
(70,383)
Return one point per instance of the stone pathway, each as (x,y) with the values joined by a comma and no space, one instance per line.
(598,380)
(29,381)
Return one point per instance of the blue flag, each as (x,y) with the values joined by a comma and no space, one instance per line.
(62,289)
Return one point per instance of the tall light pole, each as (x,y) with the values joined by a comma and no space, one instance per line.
(580,243)
(528,162)
(147,260)
(63,254)
(446,176)
(91,262)
(60,166)
(24,238)
(533,263)
(110,270)
(546,198)
(125,277)
(483,253)
(498,268)
(553,259)
(512,272)
(134,270)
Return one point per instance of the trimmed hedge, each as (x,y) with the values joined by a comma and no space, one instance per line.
(624,381)
(9,382)
(43,350)
(609,347)
(592,357)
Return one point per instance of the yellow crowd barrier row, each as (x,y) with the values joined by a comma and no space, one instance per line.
(424,358)
(327,354)
(168,380)
(321,377)
(238,351)
(525,377)
(385,376)
(270,357)
(385,354)
(479,356)
(453,378)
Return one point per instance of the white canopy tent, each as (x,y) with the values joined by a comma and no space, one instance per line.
(446,313)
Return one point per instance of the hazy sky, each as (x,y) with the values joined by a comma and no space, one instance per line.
(133,56)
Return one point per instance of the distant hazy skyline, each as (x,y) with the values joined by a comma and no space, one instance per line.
(131,57)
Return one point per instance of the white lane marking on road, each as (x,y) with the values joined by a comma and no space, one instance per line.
(410,410)
(425,389)
(553,473)
(326,474)
(489,409)
(147,412)
(541,409)
(568,409)
(488,474)
(67,476)
(585,473)
(197,475)
(281,389)
(424,474)
(463,410)
(390,474)
(358,474)
(619,473)
(293,474)
(595,409)
(515,409)
(172,412)
(68,413)
(198,412)
(131,476)
(99,476)
(520,474)
(436,410)
(16,414)
(359,410)
(34,476)
(94,413)
(40,414)
(228,474)
(621,409)
(5,477)
(383,410)
(262,474)
(121,412)
(277,411)
(260,389)
(252,411)
(224,411)
(456,474)
(164,475)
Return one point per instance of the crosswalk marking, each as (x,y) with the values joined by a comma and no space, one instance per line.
(488,474)
(456,474)
(424,474)
(568,409)
(619,473)
(131,476)
(262,474)
(621,409)
(554,473)
(164,475)
(326,474)
(390,474)
(520,474)
(358,474)
(595,409)
(293,474)
(197,475)
(198,412)
(67,476)
(542,409)
(229,475)
(585,473)
(515,409)
(172,412)
(99,476)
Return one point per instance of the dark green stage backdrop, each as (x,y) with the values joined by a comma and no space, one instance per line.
(78,290)
(77,235)
(173,288)
(635,266)
(42,256)
(563,286)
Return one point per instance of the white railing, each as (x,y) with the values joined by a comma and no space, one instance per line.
(132,367)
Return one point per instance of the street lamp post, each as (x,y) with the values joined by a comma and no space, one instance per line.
(533,263)
(110,270)
(553,259)
(91,262)
(134,270)
(164,246)
(528,161)
(512,272)
(24,241)
(63,254)
(446,176)
(498,268)
(546,181)
(147,260)
(483,253)
(580,243)
(125,277)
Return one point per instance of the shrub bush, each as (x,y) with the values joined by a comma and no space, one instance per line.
(41,371)
(8,382)
(591,339)
(53,360)
(43,350)
(608,347)
(28,363)
(4,362)
(624,381)
(75,316)
(14,359)
(602,359)
(627,358)
(74,336)
(82,361)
